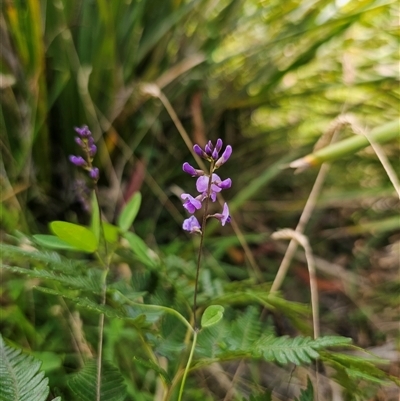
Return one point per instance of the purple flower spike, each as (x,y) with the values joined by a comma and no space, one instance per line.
(191,204)
(223,217)
(225,184)
(225,156)
(187,168)
(84,131)
(94,173)
(192,225)
(77,160)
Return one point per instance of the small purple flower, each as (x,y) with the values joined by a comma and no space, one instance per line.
(192,225)
(223,217)
(79,141)
(94,173)
(84,131)
(218,145)
(225,184)
(209,148)
(187,168)
(92,150)
(225,156)
(191,204)
(199,151)
(202,183)
(78,161)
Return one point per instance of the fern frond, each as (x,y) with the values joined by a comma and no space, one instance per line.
(53,260)
(356,368)
(245,330)
(211,341)
(84,383)
(140,320)
(20,378)
(296,350)
(91,282)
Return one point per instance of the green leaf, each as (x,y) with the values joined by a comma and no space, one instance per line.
(111,233)
(95,218)
(79,237)
(52,242)
(20,378)
(112,388)
(296,350)
(91,282)
(140,249)
(151,365)
(308,393)
(212,315)
(129,212)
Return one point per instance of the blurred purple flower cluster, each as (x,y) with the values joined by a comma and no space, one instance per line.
(204,186)
(86,143)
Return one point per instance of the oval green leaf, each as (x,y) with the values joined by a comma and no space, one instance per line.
(139,248)
(111,232)
(212,315)
(129,212)
(77,236)
(52,242)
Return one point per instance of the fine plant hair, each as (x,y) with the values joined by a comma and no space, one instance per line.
(177,320)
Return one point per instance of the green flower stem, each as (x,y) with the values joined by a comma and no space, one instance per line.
(103,301)
(160,307)
(188,365)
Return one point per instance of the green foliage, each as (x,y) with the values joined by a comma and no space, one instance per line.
(261,397)
(308,393)
(266,76)
(77,236)
(296,350)
(20,376)
(129,212)
(84,383)
(212,315)
(149,364)
(246,330)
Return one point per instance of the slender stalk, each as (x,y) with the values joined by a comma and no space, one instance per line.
(103,302)
(188,365)
(160,307)
(203,230)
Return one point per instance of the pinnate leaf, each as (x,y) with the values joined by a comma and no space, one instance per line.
(20,378)
(84,383)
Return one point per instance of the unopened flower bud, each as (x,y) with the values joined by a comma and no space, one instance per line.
(225,156)
(94,173)
(77,160)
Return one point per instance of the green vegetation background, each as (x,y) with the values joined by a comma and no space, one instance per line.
(268,77)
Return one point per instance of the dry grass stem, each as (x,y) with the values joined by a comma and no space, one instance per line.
(303,241)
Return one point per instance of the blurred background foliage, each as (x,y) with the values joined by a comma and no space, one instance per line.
(268,77)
